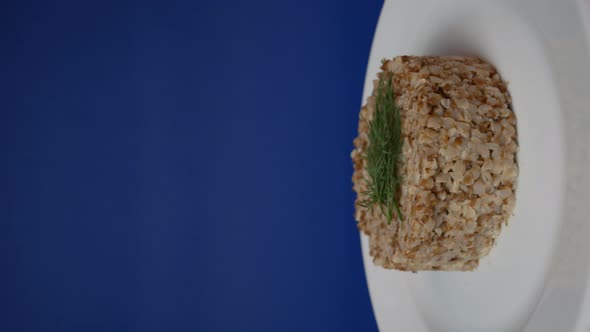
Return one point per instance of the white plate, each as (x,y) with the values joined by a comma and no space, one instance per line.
(536,278)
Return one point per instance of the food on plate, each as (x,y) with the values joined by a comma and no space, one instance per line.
(435,168)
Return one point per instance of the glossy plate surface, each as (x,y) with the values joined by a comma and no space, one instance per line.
(522,284)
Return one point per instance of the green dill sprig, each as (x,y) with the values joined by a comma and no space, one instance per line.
(384,151)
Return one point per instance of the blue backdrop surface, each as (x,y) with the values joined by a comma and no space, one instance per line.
(181,166)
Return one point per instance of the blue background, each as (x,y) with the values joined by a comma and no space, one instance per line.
(181,166)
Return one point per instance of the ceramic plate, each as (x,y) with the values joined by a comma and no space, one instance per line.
(536,278)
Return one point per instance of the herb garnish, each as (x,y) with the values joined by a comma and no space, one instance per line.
(383,152)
